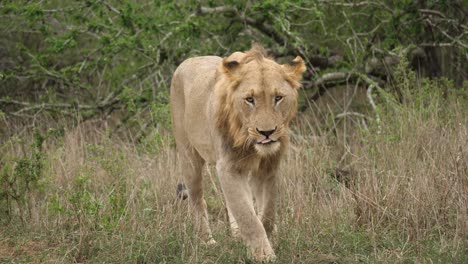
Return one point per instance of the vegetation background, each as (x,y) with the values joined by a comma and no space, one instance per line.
(378,166)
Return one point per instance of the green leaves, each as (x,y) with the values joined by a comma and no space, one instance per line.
(89,51)
(21,176)
(61,43)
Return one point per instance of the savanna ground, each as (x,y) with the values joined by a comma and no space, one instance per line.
(401,198)
(377,169)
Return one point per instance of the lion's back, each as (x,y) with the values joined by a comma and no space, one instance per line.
(192,86)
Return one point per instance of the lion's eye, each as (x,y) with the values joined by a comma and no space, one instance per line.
(278,98)
(250,100)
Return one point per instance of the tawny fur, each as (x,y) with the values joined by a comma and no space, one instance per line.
(234,112)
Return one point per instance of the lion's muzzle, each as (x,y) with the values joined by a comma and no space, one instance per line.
(267,134)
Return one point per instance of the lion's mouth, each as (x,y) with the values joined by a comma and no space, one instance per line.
(266,141)
(267,146)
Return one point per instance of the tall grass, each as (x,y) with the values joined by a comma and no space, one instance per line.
(391,193)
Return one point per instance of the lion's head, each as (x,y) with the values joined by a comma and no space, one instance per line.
(257,98)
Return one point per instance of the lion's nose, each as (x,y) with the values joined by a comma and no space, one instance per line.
(266,133)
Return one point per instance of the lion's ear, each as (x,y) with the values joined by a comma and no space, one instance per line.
(295,69)
(232,63)
(230,66)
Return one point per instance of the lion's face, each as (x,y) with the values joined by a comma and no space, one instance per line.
(260,98)
(266,102)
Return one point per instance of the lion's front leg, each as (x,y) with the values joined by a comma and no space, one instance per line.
(239,201)
(232,220)
(264,187)
(264,190)
(233,224)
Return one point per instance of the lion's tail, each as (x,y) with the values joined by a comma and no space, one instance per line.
(182,192)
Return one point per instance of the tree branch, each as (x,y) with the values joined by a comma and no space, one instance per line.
(334,79)
(27,106)
(219,9)
(281,39)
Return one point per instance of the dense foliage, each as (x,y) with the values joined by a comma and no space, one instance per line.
(98,58)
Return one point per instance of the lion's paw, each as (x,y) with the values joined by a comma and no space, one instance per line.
(265,258)
(210,242)
(235,232)
(264,255)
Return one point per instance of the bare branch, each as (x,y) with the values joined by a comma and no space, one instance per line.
(27,106)
(432,12)
(357,4)
(259,25)
(323,83)
(219,9)
(334,79)
(327,81)
(265,29)
(436,44)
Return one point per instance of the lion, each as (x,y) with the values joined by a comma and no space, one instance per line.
(234,112)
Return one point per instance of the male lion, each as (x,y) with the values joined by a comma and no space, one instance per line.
(234,112)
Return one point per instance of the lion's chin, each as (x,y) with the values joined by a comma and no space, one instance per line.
(268,149)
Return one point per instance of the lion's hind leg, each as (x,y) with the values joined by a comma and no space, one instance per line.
(192,164)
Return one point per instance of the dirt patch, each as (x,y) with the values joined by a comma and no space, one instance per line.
(12,250)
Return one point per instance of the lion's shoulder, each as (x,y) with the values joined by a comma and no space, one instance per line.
(196,73)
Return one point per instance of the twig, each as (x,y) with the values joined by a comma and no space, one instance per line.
(363,3)
(456,39)
(219,9)
(113,9)
(374,107)
(432,12)
(332,77)
(436,45)
(344,114)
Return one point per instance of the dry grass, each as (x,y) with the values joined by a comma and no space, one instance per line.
(107,200)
